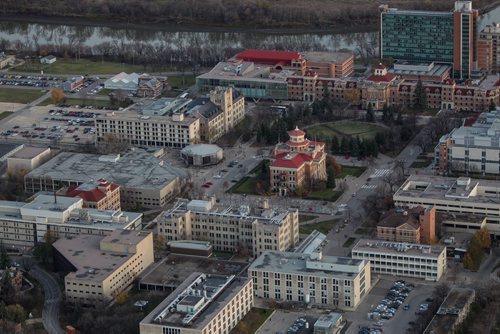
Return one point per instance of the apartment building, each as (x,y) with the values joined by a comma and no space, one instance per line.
(202,304)
(144,180)
(149,86)
(473,147)
(402,259)
(326,281)
(99,268)
(430,36)
(416,225)
(100,195)
(488,49)
(26,224)
(244,229)
(299,162)
(452,312)
(461,195)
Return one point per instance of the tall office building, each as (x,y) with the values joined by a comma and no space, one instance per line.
(429,36)
(488,48)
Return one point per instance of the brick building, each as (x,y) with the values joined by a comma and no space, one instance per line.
(416,225)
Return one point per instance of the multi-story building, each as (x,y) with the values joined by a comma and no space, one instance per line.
(149,86)
(402,259)
(144,180)
(299,162)
(473,147)
(459,196)
(416,225)
(326,281)
(27,158)
(202,304)
(452,312)
(488,49)
(6,60)
(73,83)
(444,37)
(100,195)
(99,268)
(26,224)
(244,229)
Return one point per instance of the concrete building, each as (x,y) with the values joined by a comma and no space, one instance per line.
(416,225)
(414,71)
(331,323)
(326,281)
(99,268)
(73,83)
(452,312)
(149,86)
(25,224)
(429,36)
(6,60)
(202,155)
(27,158)
(123,81)
(402,259)
(461,195)
(202,304)
(144,180)
(299,162)
(247,230)
(100,195)
(473,147)
(47,60)
(488,49)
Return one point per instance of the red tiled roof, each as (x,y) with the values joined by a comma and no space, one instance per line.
(471,120)
(268,56)
(382,78)
(294,160)
(448,81)
(294,80)
(94,195)
(296,132)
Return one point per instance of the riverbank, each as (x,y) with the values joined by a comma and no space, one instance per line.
(191,15)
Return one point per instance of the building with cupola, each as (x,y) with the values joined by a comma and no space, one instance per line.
(297,163)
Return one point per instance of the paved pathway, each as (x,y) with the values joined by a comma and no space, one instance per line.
(50,312)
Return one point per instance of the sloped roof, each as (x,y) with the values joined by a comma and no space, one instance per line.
(290,160)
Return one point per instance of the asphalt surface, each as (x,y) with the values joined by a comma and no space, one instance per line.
(50,312)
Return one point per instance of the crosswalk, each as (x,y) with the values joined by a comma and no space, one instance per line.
(381,172)
(368,186)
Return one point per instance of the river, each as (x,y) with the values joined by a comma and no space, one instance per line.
(32,35)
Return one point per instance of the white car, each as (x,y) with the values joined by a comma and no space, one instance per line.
(217,176)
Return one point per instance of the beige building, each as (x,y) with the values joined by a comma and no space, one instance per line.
(247,230)
(25,224)
(416,225)
(202,304)
(27,158)
(461,195)
(100,268)
(402,259)
(144,180)
(100,195)
(6,60)
(326,281)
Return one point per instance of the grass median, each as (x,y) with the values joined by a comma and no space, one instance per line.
(19,95)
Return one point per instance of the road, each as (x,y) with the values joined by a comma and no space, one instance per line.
(50,312)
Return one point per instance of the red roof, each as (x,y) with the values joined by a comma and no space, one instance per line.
(268,56)
(381,66)
(94,195)
(382,78)
(471,120)
(290,160)
(296,132)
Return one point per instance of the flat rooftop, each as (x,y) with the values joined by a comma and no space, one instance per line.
(165,105)
(174,269)
(436,70)
(246,71)
(92,263)
(417,12)
(7,148)
(135,169)
(327,57)
(450,189)
(389,247)
(51,203)
(29,152)
(215,292)
(133,113)
(328,266)
(447,315)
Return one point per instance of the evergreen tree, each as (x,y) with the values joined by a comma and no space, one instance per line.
(4,257)
(370,114)
(380,139)
(353,147)
(334,146)
(420,96)
(344,146)
(330,182)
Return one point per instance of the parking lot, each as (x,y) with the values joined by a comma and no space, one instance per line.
(390,307)
(287,322)
(30,81)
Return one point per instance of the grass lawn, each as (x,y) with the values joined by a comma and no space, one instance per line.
(105,92)
(80,102)
(351,170)
(421,163)
(252,321)
(345,128)
(82,66)
(324,227)
(349,242)
(305,218)
(5,114)
(324,195)
(247,185)
(177,82)
(19,95)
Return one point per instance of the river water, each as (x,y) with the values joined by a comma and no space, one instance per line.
(35,34)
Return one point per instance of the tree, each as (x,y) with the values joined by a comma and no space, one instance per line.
(420,96)
(330,182)
(159,245)
(492,106)
(334,146)
(4,257)
(484,238)
(15,312)
(370,115)
(56,95)
(468,263)
(121,298)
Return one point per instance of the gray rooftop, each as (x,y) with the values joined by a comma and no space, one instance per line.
(402,248)
(328,57)
(28,152)
(135,169)
(201,149)
(165,105)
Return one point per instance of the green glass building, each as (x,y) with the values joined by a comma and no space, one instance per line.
(417,35)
